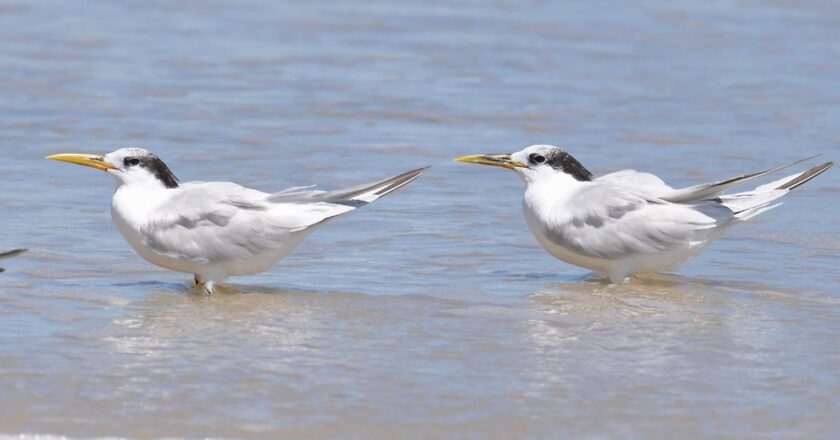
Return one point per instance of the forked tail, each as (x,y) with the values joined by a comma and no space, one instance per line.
(748,204)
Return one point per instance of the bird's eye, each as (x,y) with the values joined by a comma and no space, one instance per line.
(537,158)
(132,161)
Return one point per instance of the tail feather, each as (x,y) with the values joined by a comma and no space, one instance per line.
(748,200)
(748,204)
(752,212)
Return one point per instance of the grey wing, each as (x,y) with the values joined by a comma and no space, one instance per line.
(210,222)
(612,222)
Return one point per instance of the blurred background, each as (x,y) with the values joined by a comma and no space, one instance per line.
(433,311)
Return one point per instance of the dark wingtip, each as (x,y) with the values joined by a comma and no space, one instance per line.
(12,253)
(401,180)
(806,176)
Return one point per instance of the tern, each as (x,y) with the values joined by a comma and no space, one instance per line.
(217,229)
(10,254)
(628,222)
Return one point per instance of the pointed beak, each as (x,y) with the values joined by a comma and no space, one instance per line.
(89,160)
(496,160)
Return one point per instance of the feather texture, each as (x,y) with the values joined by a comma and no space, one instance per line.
(630,222)
(219,229)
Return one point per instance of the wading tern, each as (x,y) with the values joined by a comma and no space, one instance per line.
(10,254)
(628,222)
(217,229)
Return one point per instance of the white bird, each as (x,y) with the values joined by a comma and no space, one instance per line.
(627,222)
(217,229)
(10,254)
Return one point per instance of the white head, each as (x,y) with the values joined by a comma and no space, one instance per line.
(130,166)
(536,163)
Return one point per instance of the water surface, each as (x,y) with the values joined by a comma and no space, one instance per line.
(432,312)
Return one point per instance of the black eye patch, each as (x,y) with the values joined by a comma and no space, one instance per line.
(536,158)
(131,161)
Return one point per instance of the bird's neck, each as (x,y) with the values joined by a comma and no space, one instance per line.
(556,183)
(135,204)
(544,193)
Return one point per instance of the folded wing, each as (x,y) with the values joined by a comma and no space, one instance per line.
(612,222)
(215,221)
(630,212)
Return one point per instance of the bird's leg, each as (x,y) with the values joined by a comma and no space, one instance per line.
(206,286)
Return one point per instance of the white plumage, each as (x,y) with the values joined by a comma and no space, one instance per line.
(628,222)
(217,229)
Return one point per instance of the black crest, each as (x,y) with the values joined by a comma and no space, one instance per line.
(561,160)
(155,166)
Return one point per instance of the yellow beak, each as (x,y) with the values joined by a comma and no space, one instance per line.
(496,160)
(89,160)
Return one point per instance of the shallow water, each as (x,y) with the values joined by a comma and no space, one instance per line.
(433,311)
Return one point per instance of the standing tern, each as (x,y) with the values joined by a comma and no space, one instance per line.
(628,222)
(10,254)
(217,229)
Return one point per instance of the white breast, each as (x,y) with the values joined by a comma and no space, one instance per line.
(131,208)
(538,229)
